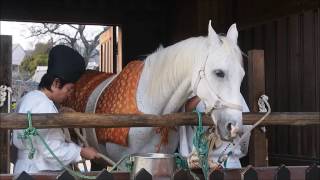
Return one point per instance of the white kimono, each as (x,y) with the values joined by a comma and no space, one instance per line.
(186,134)
(37,102)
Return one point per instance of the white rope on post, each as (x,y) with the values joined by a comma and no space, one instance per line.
(261,103)
(263,100)
(263,109)
(5,94)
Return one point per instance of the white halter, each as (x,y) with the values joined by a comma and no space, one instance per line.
(219,103)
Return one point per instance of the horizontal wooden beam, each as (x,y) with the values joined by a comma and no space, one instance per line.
(263,173)
(54,175)
(73,120)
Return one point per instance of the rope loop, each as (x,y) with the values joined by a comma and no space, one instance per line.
(181,162)
(27,135)
(200,143)
(31,131)
(5,93)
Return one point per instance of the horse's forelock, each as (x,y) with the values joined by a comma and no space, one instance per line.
(226,43)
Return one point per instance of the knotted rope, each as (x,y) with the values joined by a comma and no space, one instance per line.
(27,134)
(5,91)
(201,145)
(31,131)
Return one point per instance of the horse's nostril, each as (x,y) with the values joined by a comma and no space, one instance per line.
(229,126)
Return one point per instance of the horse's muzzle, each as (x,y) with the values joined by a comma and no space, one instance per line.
(230,131)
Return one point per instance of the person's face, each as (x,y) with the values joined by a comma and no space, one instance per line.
(60,94)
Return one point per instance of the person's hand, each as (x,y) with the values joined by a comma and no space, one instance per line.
(89,153)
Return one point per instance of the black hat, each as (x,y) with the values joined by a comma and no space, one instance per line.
(65,63)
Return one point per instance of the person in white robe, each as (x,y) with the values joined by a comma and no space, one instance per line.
(65,66)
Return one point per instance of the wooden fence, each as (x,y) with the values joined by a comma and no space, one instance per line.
(249,173)
(88,120)
(16,121)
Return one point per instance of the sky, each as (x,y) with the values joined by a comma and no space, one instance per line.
(20,33)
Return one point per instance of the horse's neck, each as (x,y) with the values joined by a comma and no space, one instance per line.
(165,82)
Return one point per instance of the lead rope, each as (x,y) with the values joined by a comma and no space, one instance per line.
(201,145)
(224,157)
(31,131)
(77,130)
(68,139)
(107,159)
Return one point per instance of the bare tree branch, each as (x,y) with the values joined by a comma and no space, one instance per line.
(74,39)
(73,26)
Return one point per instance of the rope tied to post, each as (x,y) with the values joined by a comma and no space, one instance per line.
(27,134)
(5,94)
(201,145)
(182,163)
(32,131)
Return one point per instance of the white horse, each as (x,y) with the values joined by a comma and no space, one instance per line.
(209,67)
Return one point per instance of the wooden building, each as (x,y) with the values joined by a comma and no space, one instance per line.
(287,30)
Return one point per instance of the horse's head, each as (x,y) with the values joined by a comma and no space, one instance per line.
(217,77)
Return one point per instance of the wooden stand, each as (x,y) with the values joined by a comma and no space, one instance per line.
(5,79)
(258,152)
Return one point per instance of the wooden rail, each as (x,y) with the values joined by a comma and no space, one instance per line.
(249,173)
(73,120)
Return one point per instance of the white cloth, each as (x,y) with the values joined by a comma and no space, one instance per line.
(37,102)
(186,146)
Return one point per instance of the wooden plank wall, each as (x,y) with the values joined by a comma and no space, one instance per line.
(292,61)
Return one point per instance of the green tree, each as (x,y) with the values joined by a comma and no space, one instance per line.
(38,57)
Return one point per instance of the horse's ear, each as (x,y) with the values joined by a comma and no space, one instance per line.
(212,35)
(233,33)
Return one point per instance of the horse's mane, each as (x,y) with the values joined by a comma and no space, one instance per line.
(165,63)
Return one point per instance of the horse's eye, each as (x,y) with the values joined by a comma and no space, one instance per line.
(219,73)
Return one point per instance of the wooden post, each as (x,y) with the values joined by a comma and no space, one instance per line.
(258,152)
(114,50)
(106,51)
(5,79)
(119,57)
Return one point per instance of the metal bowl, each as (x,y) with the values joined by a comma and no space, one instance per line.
(160,166)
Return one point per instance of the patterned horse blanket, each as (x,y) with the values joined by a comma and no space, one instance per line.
(118,98)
